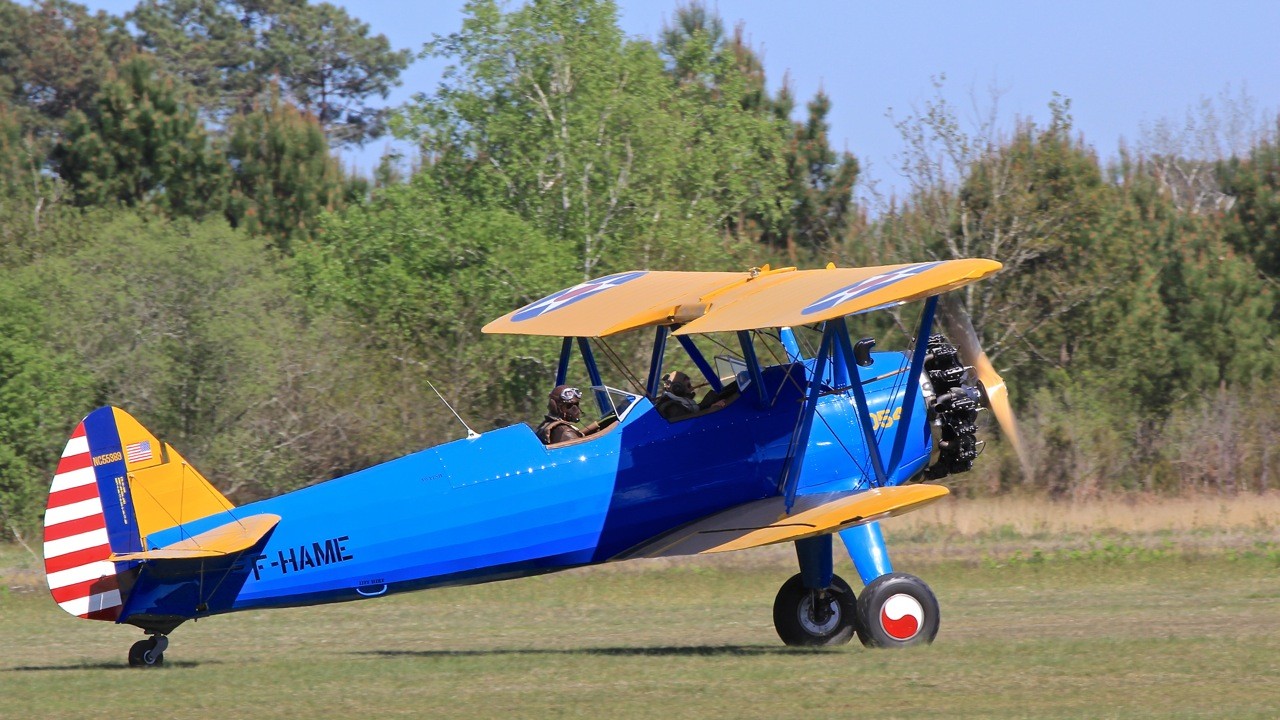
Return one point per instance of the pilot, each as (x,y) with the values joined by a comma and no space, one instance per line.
(677,400)
(562,413)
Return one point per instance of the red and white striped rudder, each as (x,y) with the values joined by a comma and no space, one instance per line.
(76,546)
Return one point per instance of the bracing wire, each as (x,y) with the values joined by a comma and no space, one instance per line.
(862,469)
(899,383)
(176,521)
(182,494)
(901,377)
(621,367)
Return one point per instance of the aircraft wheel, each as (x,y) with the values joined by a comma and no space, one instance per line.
(811,618)
(148,653)
(897,610)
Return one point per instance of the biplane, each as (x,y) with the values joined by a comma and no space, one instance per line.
(812,435)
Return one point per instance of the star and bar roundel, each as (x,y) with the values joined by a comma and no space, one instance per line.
(569,296)
(863,287)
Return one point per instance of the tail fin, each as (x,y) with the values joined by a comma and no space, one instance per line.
(115,485)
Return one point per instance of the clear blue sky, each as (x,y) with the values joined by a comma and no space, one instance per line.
(1122,64)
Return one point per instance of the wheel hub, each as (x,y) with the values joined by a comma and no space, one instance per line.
(819,613)
(901,616)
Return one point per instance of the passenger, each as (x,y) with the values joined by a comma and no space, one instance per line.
(562,413)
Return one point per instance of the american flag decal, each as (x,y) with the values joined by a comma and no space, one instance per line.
(138,452)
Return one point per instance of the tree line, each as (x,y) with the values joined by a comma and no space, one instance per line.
(179,239)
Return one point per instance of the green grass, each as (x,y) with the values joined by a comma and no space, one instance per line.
(1111,633)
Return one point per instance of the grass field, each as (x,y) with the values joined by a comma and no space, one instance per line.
(1172,613)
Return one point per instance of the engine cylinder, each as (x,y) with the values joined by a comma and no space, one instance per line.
(953,410)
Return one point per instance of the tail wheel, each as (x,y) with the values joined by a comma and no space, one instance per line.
(897,610)
(148,653)
(811,618)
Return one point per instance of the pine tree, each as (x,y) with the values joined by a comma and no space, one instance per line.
(234,53)
(820,184)
(283,176)
(1254,185)
(814,208)
(140,145)
(55,57)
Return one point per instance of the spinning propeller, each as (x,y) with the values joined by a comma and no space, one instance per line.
(995,396)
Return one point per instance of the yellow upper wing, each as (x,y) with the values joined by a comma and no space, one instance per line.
(811,296)
(613,304)
(715,301)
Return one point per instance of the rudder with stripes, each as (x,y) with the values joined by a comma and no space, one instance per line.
(114,485)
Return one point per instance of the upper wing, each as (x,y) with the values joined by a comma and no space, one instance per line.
(715,302)
(811,296)
(613,304)
(766,521)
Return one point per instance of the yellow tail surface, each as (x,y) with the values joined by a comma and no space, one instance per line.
(166,489)
(115,485)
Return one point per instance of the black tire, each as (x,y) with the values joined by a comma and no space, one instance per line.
(897,610)
(794,619)
(143,654)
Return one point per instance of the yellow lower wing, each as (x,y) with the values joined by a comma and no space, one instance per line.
(236,536)
(765,522)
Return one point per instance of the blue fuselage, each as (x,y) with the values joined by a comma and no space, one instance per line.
(503,505)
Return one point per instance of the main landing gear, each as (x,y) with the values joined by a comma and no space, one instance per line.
(816,607)
(149,652)
(896,610)
(809,618)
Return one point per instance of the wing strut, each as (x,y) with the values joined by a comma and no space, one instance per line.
(800,435)
(655,362)
(860,397)
(753,367)
(882,471)
(703,366)
(913,380)
(787,337)
(838,348)
(593,371)
(562,370)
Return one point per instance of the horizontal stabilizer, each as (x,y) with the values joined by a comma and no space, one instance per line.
(233,537)
(765,522)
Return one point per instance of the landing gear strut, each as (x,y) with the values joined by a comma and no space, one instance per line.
(805,617)
(149,652)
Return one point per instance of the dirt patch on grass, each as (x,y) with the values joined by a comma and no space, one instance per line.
(1147,514)
(1004,529)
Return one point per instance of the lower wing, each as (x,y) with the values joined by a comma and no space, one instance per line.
(765,522)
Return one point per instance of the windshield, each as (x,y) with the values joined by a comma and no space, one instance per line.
(614,401)
(731,368)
